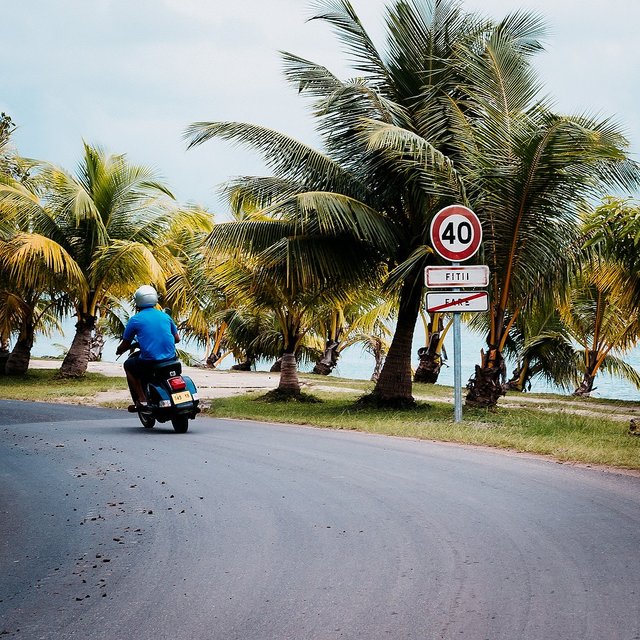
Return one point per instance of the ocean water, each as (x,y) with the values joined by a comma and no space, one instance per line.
(355,363)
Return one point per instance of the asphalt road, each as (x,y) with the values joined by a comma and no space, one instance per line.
(239,530)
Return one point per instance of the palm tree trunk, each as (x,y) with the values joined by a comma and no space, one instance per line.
(4,353)
(520,378)
(393,387)
(430,360)
(17,363)
(430,356)
(586,386)
(289,381)
(213,359)
(486,385)
(246,365)
(329,359)
(379,360)
(76,361)
(429,366)
(96,346)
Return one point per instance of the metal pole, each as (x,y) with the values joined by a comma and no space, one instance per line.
(457,370)
(457,366)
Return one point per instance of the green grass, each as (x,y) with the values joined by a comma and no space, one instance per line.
(562,435)
(42,385)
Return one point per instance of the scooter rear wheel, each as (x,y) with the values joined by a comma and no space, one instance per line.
(180,424)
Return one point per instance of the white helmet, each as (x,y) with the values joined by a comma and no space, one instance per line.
(145,296)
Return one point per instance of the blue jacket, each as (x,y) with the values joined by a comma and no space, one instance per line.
(154,331)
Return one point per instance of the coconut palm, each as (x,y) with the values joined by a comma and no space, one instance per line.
(343,326)
(529,200)
(371,185)
(542,348)
(603,312)
(30,313)
(32,298)
(34,270)
(601,325)
(263,280)
(108,218)
(613,233)
(433,355)
(525,171)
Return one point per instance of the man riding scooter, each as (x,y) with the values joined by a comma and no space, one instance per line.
(156,334)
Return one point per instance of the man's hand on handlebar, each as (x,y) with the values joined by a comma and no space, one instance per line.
(125,345)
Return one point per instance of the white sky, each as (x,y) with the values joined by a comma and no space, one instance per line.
(131,75)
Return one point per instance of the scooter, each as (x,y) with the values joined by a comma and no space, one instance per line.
(170,396)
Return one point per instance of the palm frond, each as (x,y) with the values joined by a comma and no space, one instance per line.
(350,31)
(618,368)
(434,172)
(36,262)
(123,262)
(286,156)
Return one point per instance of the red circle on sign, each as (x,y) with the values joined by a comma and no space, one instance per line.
(456,233)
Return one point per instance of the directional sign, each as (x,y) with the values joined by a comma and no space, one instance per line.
(460,301)
(473,275)
(456,233)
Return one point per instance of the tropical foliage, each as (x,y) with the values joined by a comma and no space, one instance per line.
(601,312)
(98,233)
(330,247)
(451,112)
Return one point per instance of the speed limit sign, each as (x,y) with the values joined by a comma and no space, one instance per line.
(456,233)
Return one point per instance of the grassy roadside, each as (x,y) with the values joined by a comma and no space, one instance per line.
(577,430)
(42,385)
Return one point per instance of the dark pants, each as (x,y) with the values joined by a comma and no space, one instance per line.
(139,369)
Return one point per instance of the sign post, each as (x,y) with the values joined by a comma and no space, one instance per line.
(456,235)
(457,369)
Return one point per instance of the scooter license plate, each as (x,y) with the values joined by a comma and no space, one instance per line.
(183,396)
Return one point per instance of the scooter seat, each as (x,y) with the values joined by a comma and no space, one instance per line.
(167,368)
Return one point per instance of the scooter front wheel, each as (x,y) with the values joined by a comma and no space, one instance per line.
(180,424)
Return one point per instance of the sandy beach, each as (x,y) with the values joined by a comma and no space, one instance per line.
(210,382)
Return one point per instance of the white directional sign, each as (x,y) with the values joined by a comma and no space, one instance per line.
(456,233)
(476,275)
(460,301)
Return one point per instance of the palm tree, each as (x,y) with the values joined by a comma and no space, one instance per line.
(262,278)
(525,171)
(33,293)
(541,346)
(343,326)
(34,270)
(433,354)
(600,324)
(379,194)
(613,230)
(107,218)
(603,311)
(529,205)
